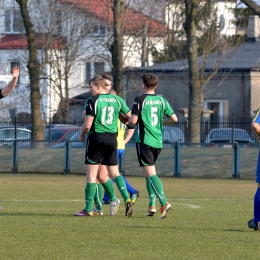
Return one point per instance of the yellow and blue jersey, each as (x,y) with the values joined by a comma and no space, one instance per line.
(257,117)
(120,135)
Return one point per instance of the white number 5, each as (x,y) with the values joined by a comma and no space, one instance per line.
(154,116)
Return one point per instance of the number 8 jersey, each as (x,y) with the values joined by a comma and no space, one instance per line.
(105,109)
(150,108)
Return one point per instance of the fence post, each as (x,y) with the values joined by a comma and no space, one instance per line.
(236,161)
(177,161)
(15,157)
(122,164)
(67,157)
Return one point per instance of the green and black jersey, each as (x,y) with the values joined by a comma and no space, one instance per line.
(105,109)
(150,109)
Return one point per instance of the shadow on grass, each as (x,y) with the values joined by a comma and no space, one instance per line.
(40,214)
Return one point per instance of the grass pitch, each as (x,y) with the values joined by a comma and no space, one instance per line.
(208,220)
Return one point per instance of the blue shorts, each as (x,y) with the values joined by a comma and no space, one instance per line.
(258,169)
(120,153)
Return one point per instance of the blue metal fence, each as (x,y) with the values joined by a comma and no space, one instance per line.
(176,160)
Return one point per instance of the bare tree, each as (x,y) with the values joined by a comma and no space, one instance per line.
(38,129)
(116,47)
(252,5)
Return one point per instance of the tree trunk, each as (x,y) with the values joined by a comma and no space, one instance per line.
(38,127)
(116,48)
(195,96)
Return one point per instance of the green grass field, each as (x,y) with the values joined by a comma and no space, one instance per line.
(208,220)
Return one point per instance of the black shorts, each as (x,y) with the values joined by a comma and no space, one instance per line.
(101,149)
(146,154)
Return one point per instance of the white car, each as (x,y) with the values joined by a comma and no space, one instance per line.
(227,135)
(173,134)
(8,135)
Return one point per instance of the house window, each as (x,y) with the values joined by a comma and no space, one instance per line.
(99,68)
(7,21)
(58,22)
(13,21)
(13,64)
(96,30)
(219,108)
(102,30)
(88,72)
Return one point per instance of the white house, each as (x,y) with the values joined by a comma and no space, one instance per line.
(224,12)
(78,32)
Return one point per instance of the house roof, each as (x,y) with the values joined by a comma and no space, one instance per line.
(242,58)
(133,21)
(19,41)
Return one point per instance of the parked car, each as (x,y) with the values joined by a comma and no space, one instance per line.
(74,141)
(53,126)
(8,135)
(172,134)
(227,135)
(59,133)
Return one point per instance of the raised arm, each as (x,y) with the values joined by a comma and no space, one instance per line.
(10,86)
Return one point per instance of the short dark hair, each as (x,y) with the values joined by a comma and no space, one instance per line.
(98,81)
(106,76)
(150,80)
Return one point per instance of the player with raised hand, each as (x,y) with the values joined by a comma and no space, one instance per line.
(102,112)
(9,88)
(147,113)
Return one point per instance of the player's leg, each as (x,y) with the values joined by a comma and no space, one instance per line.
(1,208)
(92,161)
(147,157)
(255,222)
(98,210)
(108,186)
(134,194)
(120,183)
(152,197)
(90,189)
(110,159)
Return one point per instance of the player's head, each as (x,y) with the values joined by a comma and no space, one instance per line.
(97,85)
(150,81)
(108,81)
(113,92)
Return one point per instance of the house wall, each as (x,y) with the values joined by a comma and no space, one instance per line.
(236,89)
(254,92)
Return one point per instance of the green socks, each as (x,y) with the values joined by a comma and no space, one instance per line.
(90,191)
(157,187)
(109,187)
(98,197)
(151,193)
(120,183)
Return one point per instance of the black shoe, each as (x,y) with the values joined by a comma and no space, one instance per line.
(252,224)
(129,208)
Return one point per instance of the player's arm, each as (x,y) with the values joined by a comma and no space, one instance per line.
(129,134)
(10,86)
(123,118)
(83,115)
(171,119)
(86,127)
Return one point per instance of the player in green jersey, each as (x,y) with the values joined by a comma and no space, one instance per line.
(102,112)
(147,113)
